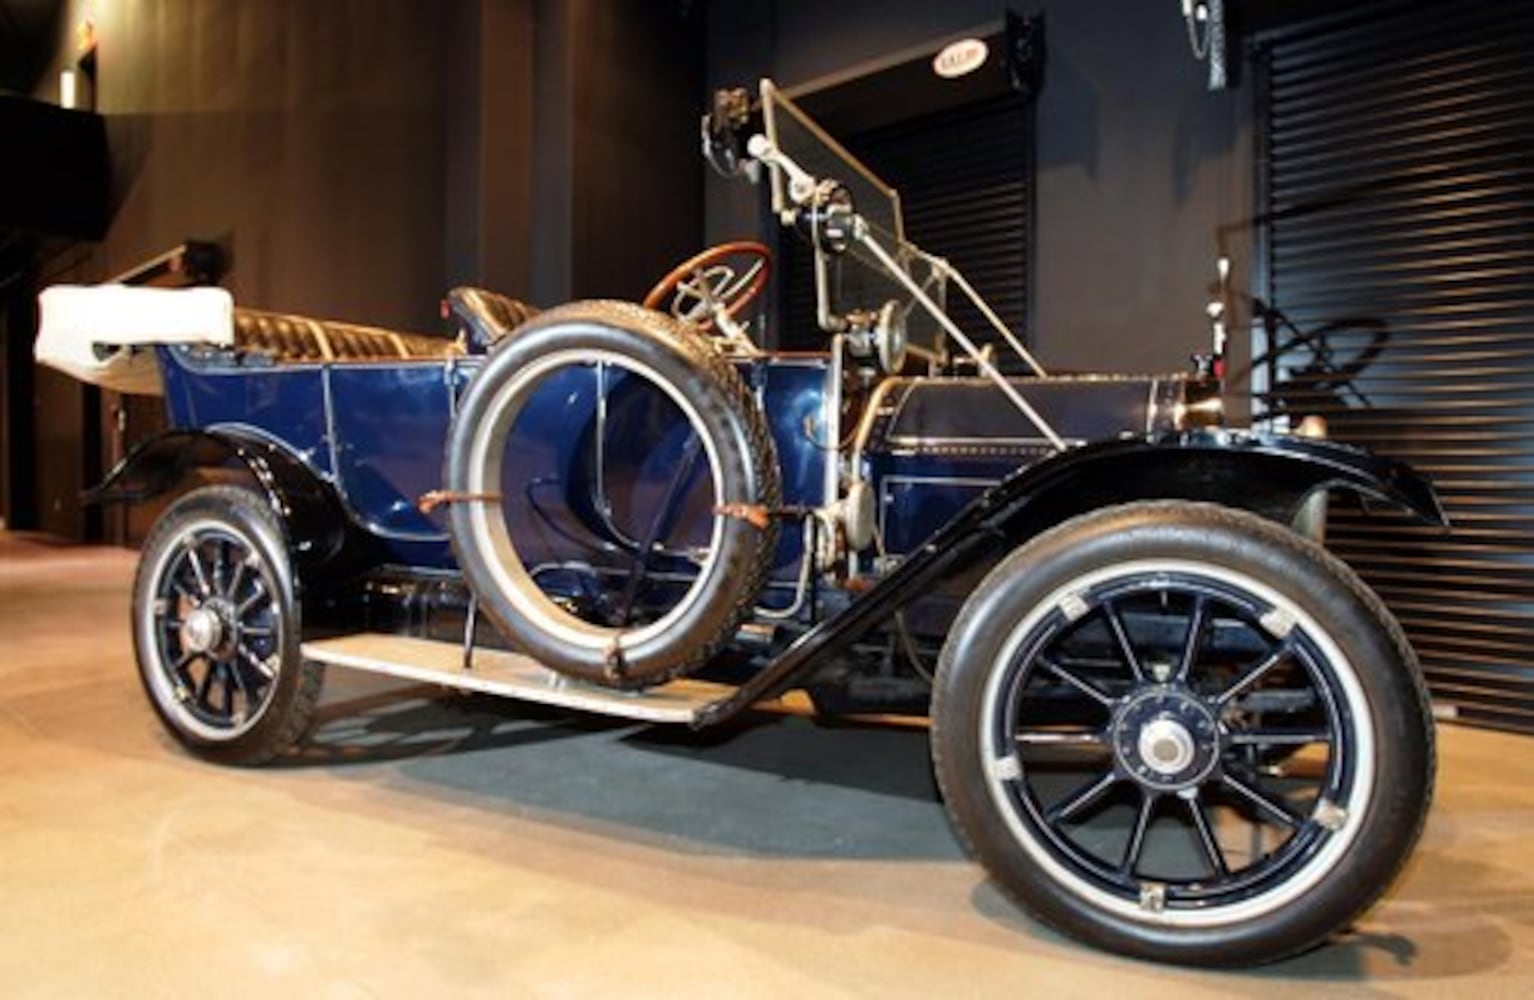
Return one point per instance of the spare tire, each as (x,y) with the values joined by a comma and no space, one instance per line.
(656,609)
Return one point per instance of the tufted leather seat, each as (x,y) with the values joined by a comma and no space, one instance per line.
(486,317)
(298,338)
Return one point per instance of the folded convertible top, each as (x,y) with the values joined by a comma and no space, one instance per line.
(96,333)
(100,334)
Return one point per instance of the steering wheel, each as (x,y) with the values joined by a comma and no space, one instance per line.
(722,279)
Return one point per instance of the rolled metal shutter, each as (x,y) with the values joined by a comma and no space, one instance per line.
(1398,175)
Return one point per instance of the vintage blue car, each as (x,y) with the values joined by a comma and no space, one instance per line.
(1163,717)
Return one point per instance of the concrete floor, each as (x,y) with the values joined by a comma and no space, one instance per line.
(426,844)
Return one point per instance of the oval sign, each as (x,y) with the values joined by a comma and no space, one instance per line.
(961,58)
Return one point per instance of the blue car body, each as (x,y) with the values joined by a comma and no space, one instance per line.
(374,432)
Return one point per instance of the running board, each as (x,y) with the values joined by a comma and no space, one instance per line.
(511,675)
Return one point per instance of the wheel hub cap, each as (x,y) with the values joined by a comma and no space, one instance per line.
(1166,745)
(1166,739)
(202,630)
(210,629)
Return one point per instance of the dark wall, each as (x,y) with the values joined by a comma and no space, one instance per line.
(305,138)
(1142,173)
(308,137)
(487,115)
(638,169)
(616,163)
(356,158)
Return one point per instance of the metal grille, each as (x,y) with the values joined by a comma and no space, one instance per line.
(1399,251)
(965,179)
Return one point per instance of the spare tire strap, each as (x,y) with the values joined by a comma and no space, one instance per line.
(756,515)
(433,499)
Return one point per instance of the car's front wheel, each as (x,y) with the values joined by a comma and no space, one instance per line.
(216,629)
(1108,713)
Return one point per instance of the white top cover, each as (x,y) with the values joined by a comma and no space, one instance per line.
(96,333)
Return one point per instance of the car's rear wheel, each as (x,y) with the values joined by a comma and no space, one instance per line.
(1105,717)
(216,629)
(610,476)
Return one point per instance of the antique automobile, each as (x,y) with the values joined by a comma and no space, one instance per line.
(1162,716)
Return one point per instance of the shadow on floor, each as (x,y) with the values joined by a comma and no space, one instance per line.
(763,784)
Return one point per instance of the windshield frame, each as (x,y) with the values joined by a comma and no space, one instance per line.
(775,99)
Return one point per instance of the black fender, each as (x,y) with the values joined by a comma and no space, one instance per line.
(312,516)
(1267,474)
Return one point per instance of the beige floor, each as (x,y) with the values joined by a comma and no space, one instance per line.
(432,845)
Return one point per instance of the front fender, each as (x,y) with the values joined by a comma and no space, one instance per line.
(1268,474)
(312,516)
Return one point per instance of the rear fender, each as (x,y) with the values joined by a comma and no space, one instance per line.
(310,512)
